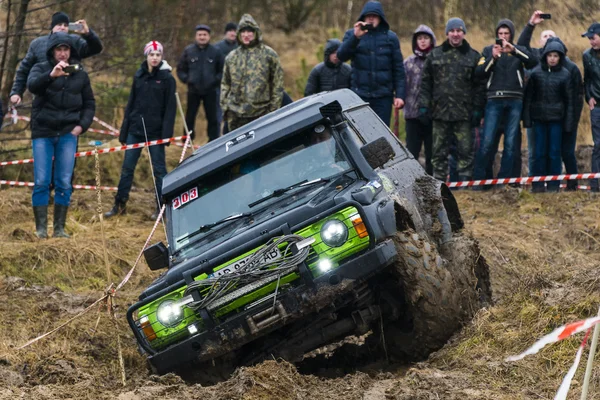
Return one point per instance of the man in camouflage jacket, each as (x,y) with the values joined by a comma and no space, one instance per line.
(453,98)
(252,84)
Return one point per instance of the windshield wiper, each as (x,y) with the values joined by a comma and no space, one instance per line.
(208,227)
(281,191)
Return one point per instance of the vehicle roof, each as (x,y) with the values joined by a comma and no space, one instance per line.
(271,127)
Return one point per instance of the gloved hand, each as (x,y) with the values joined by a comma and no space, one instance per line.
(424,117)
(476,119)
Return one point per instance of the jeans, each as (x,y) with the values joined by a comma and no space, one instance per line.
(157,153)
(210,109)
(418,134)
(496,111)
(382,107)
(62,148)
(568,157)
(547,153)
(595,116)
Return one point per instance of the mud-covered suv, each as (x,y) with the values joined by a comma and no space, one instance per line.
(308,225)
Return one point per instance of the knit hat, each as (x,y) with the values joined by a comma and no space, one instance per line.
(455,23)
(231,26)
(59,18)
(153,46)
(202,27)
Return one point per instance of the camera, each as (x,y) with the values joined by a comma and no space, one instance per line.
(499,42)
(69,69)
(366,27)
(73,27)
(546,16)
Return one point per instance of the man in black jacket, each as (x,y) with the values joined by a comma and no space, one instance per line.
(226,46)
(331,74)
(63,109)
(86,44)
(503,67)
(591,77)
(201,68)
(150,115)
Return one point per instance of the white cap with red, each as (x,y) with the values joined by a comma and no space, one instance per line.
(153,46)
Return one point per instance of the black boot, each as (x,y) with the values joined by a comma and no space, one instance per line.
(118,209)
(60,217)
(41,221)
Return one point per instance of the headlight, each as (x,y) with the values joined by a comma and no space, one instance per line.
(334,233)
(169,313)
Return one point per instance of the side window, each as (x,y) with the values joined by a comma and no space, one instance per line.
(369,127)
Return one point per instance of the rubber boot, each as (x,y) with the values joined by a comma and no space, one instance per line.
(41,221)
(118,209)
(60,217)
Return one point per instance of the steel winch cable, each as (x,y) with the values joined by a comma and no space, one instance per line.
(252,271)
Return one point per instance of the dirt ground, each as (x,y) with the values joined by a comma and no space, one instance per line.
(543,251)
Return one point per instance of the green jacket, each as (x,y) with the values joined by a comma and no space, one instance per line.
(449,89)
(252,83)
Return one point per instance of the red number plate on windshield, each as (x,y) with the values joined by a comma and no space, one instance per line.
(185,198)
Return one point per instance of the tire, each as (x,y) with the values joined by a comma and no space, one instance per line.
(438,294)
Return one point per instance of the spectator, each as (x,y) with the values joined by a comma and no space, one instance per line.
(226,46)
(201,68)
(377,66)
(591,79)
(548,109)
(149,115)
(502,66)
(569,139)
(453,97)
(63,109)
(331,74)
(252,83)
(418,131)
(86,44)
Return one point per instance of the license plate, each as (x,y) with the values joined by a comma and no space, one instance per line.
(274,254)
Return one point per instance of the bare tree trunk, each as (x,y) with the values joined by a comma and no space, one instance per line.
(15,48)
(5,46)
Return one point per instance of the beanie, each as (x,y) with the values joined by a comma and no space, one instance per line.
(231,26)
(455,23)
(153,46)
(203,27)
(59,18)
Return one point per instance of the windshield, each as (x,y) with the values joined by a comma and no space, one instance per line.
(309,155)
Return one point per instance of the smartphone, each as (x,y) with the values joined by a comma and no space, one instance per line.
(546,16)
(73,27)
(499,42)
(366,27)
(69,69)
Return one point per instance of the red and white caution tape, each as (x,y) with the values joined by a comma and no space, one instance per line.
(112,131)
(83,187)
(107,126)
(524,180)
(563,390)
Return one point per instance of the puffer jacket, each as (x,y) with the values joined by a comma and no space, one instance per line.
(327,76)
(152,98)
(60,104)
(85,45)
(591,74)
(505,76)
(413,66)
(377,65)
(201,68)
(549,96)
(252,82)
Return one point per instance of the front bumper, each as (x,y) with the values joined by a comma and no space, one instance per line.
(291,306)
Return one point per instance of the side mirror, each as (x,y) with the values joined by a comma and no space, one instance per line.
(157,256)
(378,152)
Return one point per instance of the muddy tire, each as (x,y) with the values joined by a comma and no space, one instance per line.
(435,293)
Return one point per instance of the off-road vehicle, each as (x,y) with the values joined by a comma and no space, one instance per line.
(308,225)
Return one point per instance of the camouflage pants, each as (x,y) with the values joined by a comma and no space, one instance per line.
(444,134)
(235,121)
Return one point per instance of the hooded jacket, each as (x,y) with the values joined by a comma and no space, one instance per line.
(327,76)
(60,104)
(85,45)
(413,66)
(201,68)
(591,74)
(152,98)
(549,96)
(252,83)
(505,76)
(377,65)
